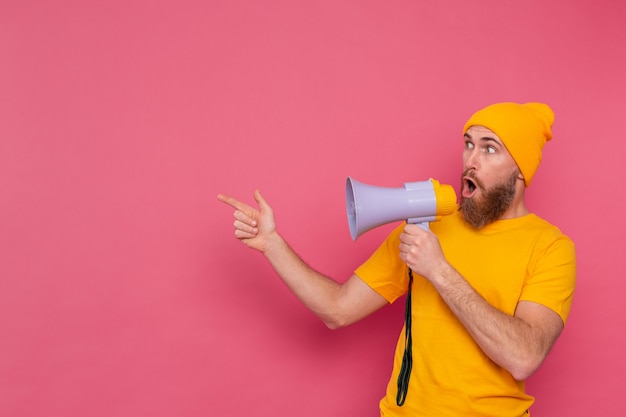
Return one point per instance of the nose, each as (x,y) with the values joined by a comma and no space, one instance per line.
(469,159)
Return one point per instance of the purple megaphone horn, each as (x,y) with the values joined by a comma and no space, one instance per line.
(369,206)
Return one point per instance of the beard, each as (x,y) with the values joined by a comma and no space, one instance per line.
(492,205)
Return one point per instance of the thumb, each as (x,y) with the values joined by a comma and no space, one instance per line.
(260,200)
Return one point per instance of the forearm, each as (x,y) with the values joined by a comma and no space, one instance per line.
(318,293)
(509,341)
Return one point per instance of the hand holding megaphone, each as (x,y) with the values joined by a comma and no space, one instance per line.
(421,202)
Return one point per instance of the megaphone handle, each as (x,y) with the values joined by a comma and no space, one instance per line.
(424,225)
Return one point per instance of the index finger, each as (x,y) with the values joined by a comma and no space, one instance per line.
(413,229)
(233,202)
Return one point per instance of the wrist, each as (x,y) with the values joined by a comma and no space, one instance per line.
(445,275)
(273,244)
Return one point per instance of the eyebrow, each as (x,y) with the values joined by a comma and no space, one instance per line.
(484,139)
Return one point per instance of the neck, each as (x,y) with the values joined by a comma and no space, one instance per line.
(518,206)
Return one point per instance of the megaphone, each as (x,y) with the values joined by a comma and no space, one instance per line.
(420,202)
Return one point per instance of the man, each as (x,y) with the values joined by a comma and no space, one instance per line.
(491,286)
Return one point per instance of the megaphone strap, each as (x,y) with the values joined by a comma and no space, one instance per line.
(407,358)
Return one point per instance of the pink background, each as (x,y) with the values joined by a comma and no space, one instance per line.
(123,291)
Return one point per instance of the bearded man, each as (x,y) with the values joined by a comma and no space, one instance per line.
(489,288)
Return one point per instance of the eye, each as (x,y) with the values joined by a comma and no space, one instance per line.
(491,149)
(469,145)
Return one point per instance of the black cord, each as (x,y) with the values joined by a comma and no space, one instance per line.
(407,358)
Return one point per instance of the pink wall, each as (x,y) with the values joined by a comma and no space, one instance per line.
(123,292)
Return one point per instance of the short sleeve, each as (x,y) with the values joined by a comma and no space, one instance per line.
(384,271)
(552,274)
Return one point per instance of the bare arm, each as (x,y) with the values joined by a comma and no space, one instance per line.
(518,343)
(336,304)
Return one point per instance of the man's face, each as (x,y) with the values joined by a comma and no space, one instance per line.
(490,177)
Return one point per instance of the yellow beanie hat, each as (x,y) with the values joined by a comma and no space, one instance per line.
(524,129)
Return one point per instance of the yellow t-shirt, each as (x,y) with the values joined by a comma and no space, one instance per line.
(525,258)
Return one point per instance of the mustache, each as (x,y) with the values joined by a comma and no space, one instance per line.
(471,174)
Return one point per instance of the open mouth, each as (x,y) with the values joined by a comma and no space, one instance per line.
(469,187)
